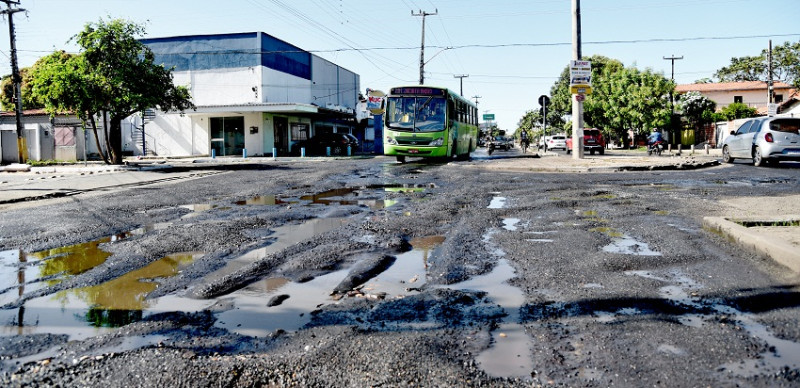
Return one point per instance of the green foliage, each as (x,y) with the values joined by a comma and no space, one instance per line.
(114,73)
(737,110)
(785,60)
(696,108)
(7,101)
(622,98)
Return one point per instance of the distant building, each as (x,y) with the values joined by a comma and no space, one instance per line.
(47,138)
(253,92)
(751,93)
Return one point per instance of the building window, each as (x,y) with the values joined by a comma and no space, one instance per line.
(300,131)
(778,98)
(738,99)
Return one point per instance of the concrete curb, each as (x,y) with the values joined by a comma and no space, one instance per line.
(770,245)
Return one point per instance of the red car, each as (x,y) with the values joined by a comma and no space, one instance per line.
(592,141)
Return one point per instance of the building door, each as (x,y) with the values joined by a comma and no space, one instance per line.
(227,135)
(282,135)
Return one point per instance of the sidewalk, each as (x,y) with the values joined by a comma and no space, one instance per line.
(743,223)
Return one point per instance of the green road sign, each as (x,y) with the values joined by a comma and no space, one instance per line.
(488,117)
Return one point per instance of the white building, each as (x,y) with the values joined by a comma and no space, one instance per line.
(253,92)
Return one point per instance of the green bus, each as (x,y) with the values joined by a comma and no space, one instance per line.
(429,122)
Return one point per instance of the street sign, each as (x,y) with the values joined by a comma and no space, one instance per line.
(580,97)
(488,117)
(544,100)
(580,77)
(580,89)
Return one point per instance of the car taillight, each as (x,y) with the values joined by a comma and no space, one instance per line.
(768,138)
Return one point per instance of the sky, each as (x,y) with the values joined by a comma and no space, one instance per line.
(512,50)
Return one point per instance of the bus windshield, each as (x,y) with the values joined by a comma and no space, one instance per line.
(418,114)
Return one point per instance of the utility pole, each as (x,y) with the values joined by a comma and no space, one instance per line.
(476,99)
(673,58)
(462,76)
(422,46)
(770,86)
(577,103)
(15,77)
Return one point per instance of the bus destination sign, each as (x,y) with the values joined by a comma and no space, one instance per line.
(418,91)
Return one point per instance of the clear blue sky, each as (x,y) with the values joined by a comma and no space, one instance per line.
(512,50)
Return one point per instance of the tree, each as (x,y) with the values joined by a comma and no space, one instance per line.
(696,108)
(114,74)
(786,66)
(737,110)
(7,99)
(622,98)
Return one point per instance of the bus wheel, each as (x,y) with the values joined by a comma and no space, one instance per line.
(401,159)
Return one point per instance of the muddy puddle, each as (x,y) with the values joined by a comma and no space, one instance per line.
(89,311)
(22,272)
(370,196)
(679,289)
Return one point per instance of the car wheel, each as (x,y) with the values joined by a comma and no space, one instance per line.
(591,152)
(602,151)
(758,159)
(401,159)
(726,155)
(337,150)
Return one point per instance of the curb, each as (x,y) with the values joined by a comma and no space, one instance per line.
(776,248)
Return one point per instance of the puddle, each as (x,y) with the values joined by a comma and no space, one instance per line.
(88,311)
(409,271)
(509,355)
(285,236)
(780,354)
(497,203)
(251,316)
(627,245)
(22,272)
(342,196)
(510,223)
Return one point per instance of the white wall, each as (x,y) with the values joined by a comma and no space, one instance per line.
(282,87)
(222,86)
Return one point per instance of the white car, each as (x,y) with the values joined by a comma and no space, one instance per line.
(764,140)
(557,141)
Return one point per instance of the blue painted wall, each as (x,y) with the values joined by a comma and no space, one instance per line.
(206,52)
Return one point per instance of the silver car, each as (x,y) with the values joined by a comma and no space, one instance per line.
(764,140)
(557,141)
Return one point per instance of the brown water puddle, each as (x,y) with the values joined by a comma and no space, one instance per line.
(22,272)
(87,311)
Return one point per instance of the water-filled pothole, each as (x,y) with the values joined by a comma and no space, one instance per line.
(86,311)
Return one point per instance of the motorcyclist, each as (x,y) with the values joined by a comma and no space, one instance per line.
(654,137)
(654,142)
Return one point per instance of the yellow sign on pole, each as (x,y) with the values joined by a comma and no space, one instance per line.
(580,89)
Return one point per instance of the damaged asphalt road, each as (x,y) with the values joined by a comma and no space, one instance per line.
(364,272)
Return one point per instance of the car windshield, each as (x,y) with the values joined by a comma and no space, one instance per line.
(418,114)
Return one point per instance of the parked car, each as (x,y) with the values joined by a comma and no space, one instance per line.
(318,145)
(556,141)
(593,140)
(764,140)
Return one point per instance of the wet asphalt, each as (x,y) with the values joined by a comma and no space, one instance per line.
(366,272)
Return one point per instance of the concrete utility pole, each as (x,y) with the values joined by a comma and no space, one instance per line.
(770,86)
(577,103)
(15,77)
(673,58)
(462,76)
(422,46)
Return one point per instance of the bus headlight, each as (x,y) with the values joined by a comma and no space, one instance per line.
(438,142)
(391,140)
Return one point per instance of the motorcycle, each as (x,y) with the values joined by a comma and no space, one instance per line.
(656,148)
(490,147)
(524,145)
